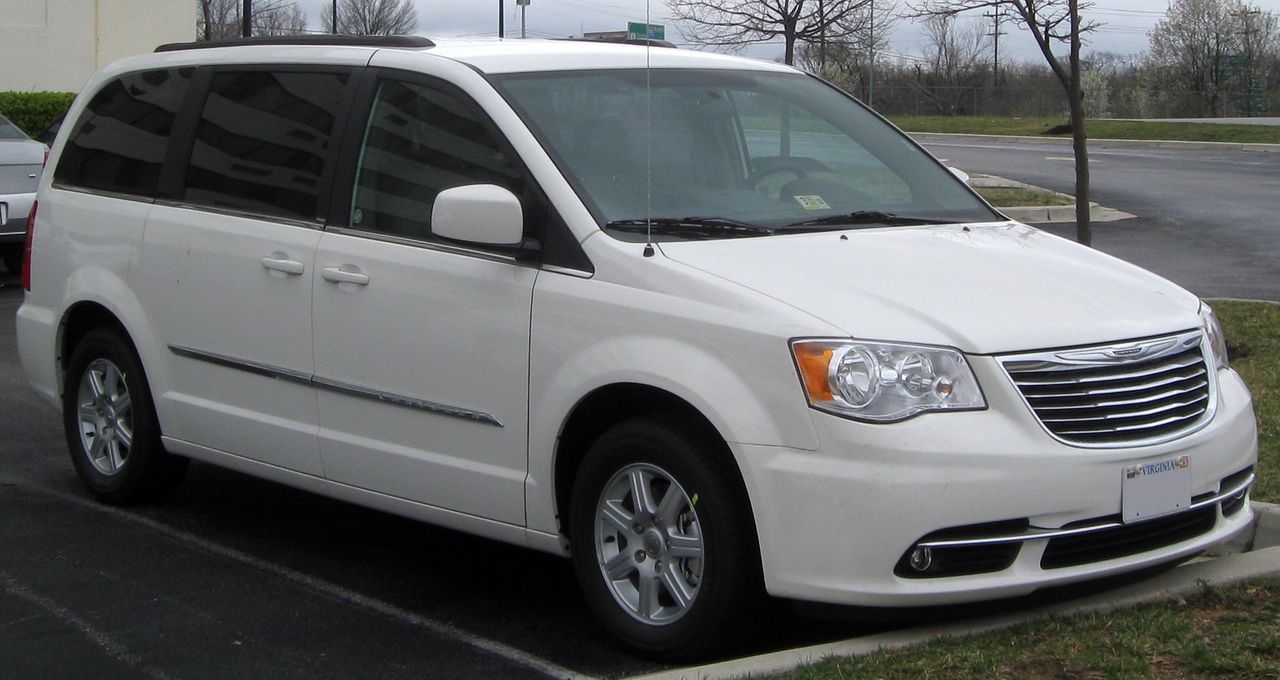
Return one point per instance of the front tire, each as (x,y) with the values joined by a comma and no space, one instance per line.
(663,540)
(110,423)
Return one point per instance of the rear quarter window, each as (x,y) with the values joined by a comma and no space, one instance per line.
(119,142)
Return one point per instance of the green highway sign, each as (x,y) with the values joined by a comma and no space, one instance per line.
(640,31)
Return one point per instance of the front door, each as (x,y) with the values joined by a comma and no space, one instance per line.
(422,347)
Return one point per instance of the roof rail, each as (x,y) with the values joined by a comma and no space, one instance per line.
(325,39)
(624,41)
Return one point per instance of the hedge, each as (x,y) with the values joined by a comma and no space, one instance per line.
(33,111)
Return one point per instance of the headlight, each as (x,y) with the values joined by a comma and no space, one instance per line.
(1214,335)
(882,382)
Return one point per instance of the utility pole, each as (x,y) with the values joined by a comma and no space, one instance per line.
(871,67)
(335,17)
(523,5)
(822,41)
(246,27)
(502,27)
(998,15)
(1245,15)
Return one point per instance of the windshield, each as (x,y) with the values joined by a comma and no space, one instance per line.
(782,151)
(9,130)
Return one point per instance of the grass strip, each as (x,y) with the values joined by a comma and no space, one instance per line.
(1006,197)
(1219,633)
(1097,129)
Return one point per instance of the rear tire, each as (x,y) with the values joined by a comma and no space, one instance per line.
(677,573)
(111,425)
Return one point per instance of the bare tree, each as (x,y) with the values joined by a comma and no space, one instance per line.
(220,19)
(846,59)
(737,23)
(957,58)
(372,17)
(1203,48)
(1051,23)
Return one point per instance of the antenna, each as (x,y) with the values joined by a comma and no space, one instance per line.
(648,141)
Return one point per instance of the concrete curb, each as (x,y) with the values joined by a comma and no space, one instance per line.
(1174,584)
(943,137)
(1045,213)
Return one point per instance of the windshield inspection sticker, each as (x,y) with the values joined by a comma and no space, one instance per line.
(812,202)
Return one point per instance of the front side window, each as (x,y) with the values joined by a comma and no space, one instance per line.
(710,153)
(264,140)
(419,141)
(119,142)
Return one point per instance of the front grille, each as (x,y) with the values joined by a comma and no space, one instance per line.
(1130,539)
(1117,395)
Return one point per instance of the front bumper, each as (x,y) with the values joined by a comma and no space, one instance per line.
(835,524)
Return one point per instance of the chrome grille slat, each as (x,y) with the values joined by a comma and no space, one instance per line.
(1130,428)
(1113,390)
(1124,394)
(1129,414)
(1114,403)
(1187,362)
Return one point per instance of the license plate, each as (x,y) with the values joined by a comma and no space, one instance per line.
(1153,489)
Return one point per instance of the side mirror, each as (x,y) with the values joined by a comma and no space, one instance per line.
(483,214)
(964,176)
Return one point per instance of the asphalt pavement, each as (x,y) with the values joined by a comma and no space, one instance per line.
(1208,219)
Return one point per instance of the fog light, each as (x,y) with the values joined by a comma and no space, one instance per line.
(921,558)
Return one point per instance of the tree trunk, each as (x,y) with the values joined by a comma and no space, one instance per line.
(1079,136)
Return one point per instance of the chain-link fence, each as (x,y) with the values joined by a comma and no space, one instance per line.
(1051,102)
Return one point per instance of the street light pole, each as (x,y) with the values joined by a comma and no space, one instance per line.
(524,4)
(246,28)
(871,68)
(502,28)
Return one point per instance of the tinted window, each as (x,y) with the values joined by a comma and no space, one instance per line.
(418,142)
(119,142)
(263,141)
(9,130)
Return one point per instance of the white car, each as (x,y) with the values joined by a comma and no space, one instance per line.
(20,164)
(704,324)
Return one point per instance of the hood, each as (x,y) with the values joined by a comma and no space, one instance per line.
(984,289)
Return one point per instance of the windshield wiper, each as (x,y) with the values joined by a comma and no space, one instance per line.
(868,217)
(708,227)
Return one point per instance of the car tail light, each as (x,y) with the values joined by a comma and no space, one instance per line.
(26,247)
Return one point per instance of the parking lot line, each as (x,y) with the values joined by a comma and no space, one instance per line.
(102,640)
(197,543)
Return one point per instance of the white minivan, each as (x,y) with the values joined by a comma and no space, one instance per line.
(706,325)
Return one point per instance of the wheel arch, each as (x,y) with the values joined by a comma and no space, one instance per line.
(608,405)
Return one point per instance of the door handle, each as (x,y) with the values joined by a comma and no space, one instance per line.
(279,262)
(338,275)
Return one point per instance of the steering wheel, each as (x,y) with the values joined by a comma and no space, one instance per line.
(774,167)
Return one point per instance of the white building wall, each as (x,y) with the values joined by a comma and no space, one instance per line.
(57,44)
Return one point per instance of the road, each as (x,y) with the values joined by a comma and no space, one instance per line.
(1207,219)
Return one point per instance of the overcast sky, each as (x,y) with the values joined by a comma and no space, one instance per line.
(1125,32)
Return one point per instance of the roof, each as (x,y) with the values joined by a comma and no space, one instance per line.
(492,55)
(521,55)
